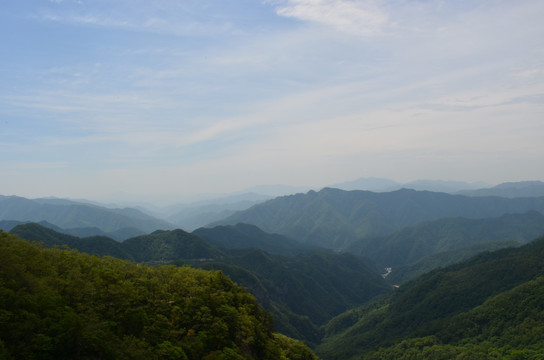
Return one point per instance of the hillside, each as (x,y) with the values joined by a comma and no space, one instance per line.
(242,236)
(157,247)
(435,303)
(69,215)
(335,218)
(59,304)
(412,244)
(302,292)
(315,286)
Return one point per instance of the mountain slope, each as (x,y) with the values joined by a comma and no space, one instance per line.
(242,236)
(62,305)
(159,246)
(411,244)
(167,246)
(335,218)
(426,306)
(95,245)
(302,292)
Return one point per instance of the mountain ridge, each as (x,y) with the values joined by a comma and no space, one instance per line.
(335,218)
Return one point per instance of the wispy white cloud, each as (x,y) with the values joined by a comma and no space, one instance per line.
(356,17)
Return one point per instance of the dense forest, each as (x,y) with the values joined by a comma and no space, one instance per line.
(62,304)
(490,306)
(301,291)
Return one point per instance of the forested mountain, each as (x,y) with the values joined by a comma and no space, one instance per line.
(118,235)
(404,273)
(305,291)
(157,247)
(335,218)
(59,304)
(411,244)
(302,292)
(489,304)
(68,215)
(242,236)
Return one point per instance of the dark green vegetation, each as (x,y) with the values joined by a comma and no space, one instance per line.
(59,304)
(302,291)
(335,218)
(490,306)
(305,291)
(242,236)
(80,219)
(157,247)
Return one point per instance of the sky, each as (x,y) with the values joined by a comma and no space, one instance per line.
(174,98)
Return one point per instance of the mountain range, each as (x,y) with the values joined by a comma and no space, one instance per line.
(302,291)
(356,274)
(336,218)
(80,218)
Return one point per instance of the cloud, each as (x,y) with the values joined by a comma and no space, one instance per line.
(356,17)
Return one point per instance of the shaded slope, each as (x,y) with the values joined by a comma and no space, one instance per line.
(167,246)
(95,245)
(307,289)
(242,236)
(411,244)
(160,246)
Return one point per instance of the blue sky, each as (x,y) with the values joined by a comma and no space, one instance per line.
(178,98)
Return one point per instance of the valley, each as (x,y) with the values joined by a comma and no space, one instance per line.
(354,274)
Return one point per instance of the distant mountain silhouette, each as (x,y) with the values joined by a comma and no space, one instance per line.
(511,190)
(68,214)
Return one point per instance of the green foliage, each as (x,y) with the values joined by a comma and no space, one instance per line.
(447,303)
(305,291)
(507,326)
(59,304)
(302,292)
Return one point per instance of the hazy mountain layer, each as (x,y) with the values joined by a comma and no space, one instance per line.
(68,215)
(335,218)
(511,190)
